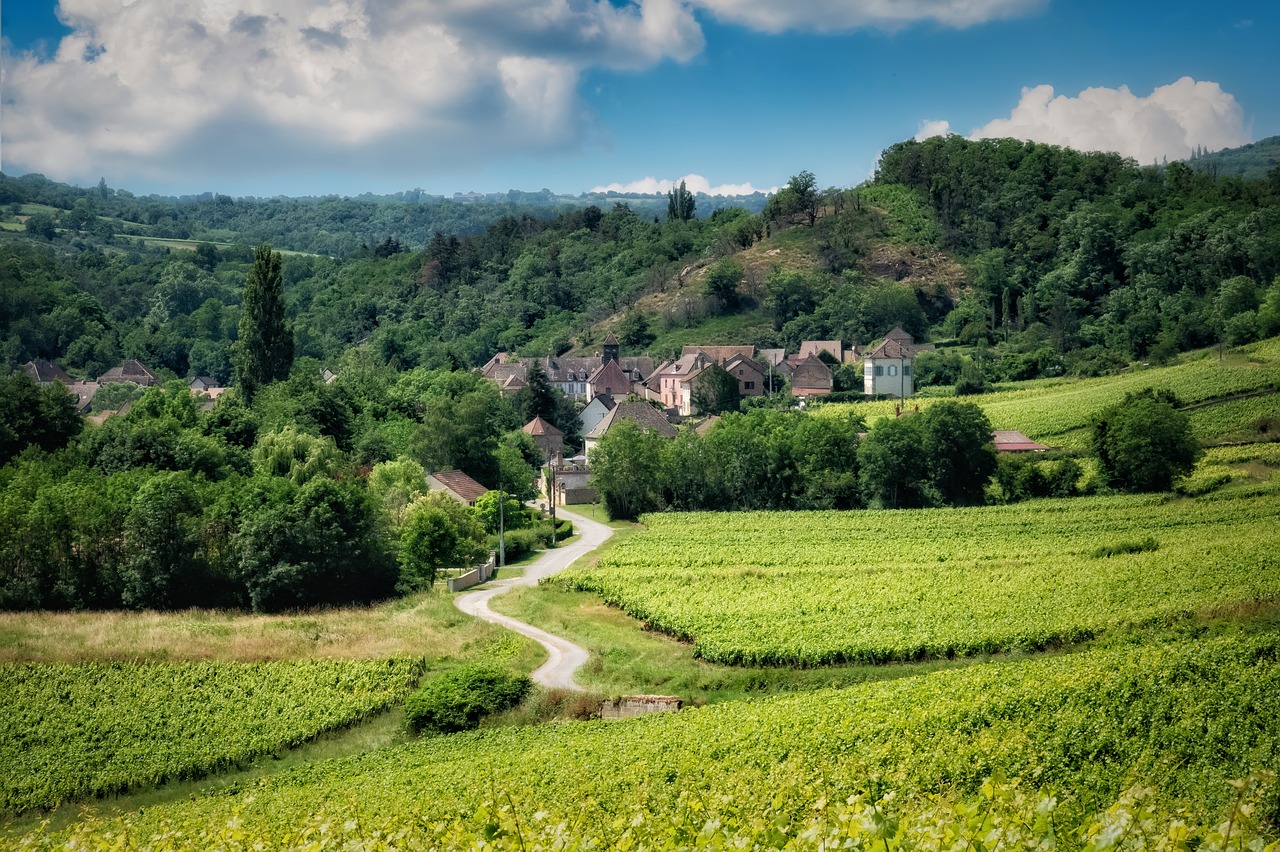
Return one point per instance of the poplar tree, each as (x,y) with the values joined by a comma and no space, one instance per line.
(264,350)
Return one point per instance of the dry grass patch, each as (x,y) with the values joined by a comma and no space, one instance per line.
(424,625)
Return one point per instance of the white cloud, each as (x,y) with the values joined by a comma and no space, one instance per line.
(1169,122)
(932,127)
(835,15)
(694,183)
(152,89)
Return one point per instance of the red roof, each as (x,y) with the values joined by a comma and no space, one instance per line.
(537,427)
(1013,441)
(462,486)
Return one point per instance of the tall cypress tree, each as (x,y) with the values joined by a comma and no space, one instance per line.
(264,351)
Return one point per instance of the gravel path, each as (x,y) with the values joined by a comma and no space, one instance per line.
(564,657)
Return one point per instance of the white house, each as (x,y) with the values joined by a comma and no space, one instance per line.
(888,368)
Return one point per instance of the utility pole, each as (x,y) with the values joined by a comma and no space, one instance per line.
(502,529)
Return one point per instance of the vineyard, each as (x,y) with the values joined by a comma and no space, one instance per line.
(71,732)
(1059,412)
(821,588)
(1070,733)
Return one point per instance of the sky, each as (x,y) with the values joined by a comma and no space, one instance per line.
(319,97)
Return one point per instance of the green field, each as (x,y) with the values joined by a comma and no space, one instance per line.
(77,731)
(820,588)
(1059,413)
(1182,718)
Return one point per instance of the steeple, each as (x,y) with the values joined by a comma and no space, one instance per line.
(610,349)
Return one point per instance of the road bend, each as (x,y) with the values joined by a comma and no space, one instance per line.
(564,658)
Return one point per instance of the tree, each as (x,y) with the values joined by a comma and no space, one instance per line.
(625,470)
(721,282)
(1144,443)
(30,414)
(893,471)
(633,329)
(161,541)
(680,204)
(961,457)
(439,533)
(263,353)
(715,391)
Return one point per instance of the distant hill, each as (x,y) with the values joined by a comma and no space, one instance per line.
(328,225)
(1252,162)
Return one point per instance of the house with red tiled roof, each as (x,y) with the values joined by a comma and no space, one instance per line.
(548,438)
(457,485)
(1013,441)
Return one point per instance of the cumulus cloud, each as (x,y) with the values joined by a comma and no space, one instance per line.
(694,183)
(836,15)
(1170,122)
(152,89)
(932,127)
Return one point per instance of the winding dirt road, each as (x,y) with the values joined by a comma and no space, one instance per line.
(564,657)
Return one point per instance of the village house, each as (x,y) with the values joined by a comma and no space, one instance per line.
(457,485)
(812,377)
(130,371)
(44,372)
(594,411)
(578,378)
(642,414)
(549,439)
(887,370)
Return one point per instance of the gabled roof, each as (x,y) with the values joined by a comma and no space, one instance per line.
(772,356)
(834,348)
(611,376)
(898,344)
(813,374)
(611,340)
(459,484)
(607,401)
(538,427)
(1013,441)
(747,363)
(720,354)
(642,414)
(130,371)
(45,372)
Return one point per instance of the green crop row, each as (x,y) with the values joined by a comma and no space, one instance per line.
(76,731)
(817,588)
(1072,733)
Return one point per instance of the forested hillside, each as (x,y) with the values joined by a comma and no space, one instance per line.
(1048,260)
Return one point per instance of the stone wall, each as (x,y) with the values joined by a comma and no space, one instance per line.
(474,577)
(638,705)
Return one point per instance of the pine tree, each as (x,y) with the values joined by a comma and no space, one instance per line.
(264,351)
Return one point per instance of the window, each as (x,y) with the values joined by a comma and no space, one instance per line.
(893,369)
(906,369)
(879,370)
(748,385)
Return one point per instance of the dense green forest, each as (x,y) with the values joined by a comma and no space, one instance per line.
(1019,260)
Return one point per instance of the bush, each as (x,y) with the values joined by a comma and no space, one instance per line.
(458,700)
(519,542)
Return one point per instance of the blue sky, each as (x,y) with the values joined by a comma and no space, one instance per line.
(299,97)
